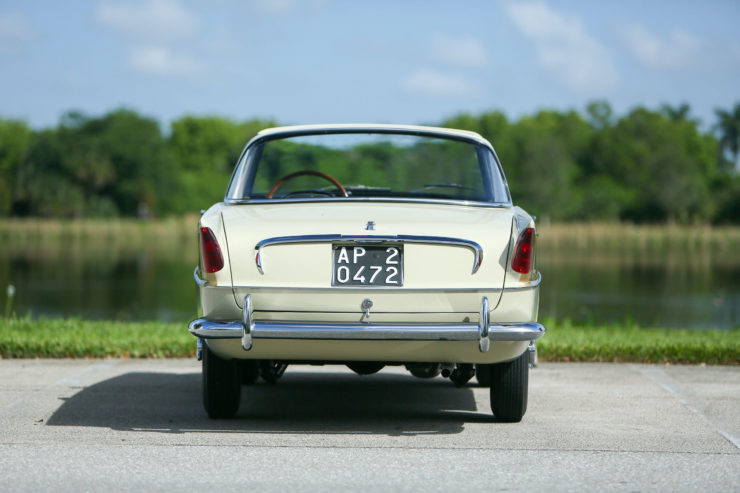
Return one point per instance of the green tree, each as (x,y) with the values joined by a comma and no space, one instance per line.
(146,180)
(15,138)
(729,131)
(546,161)
(665,167)
(117,164)
(728,201)
(677,113)
(206,150)
(599,114)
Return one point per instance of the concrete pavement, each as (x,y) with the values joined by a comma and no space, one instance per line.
(138,424)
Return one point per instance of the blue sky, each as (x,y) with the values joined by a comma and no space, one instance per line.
(320,61)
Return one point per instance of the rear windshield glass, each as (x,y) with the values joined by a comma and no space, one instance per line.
(368,165)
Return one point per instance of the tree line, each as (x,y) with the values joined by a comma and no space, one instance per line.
(649,165)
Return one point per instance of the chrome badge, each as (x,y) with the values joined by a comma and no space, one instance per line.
(370,226)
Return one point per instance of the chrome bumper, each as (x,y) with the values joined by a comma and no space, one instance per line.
(247,329)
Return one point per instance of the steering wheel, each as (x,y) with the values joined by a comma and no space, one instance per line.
(304,173)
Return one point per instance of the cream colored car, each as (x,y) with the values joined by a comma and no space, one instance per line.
(368,245)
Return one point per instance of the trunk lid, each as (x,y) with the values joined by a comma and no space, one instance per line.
(310,265)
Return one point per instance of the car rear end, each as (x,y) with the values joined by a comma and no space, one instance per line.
(421,259)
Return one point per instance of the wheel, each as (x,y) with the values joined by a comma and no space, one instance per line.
(483,375)
(509,387)
(250,371)
(222,385)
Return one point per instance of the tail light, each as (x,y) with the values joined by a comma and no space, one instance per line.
(213,261)
(524,252)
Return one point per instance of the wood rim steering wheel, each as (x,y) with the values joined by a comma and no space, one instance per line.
(303,173)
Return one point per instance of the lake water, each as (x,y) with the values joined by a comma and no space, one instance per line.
(154,285)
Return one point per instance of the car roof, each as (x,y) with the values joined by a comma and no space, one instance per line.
(369,127)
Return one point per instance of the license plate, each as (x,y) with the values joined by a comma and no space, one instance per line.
(368,265)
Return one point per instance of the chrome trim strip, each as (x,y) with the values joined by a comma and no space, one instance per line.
(530,285)
(404,289)
(209,329)
(216,329)
(365,331)
(523,331)
(468,203)
(364,239)
(200,282)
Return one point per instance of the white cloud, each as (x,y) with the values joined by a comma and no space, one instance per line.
(678,50)
(564,48)
(154,31)
(161,20)
(158,60)
(463,52)
(437,84)
(15,32)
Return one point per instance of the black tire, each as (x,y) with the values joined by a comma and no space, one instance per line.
(222,385)
(509,388)
(483,375)
(250,371)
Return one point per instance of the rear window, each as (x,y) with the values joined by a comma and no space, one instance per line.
(368,165)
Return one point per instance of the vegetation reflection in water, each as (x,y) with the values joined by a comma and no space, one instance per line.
(669,276)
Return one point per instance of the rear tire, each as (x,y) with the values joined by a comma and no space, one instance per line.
(483,375)
(250,371)
(222,385)
(509,389)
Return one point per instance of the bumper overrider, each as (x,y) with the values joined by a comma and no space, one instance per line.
(250,330)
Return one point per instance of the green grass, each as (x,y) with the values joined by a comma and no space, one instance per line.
(74,338)
(629,343)
(25,337)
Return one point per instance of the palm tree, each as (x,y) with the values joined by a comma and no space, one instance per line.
(729,130)
(678,113)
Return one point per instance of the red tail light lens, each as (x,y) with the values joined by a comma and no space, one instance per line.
(213,261)
(524,252)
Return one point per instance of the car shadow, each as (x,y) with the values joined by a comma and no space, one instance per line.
(301,402)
